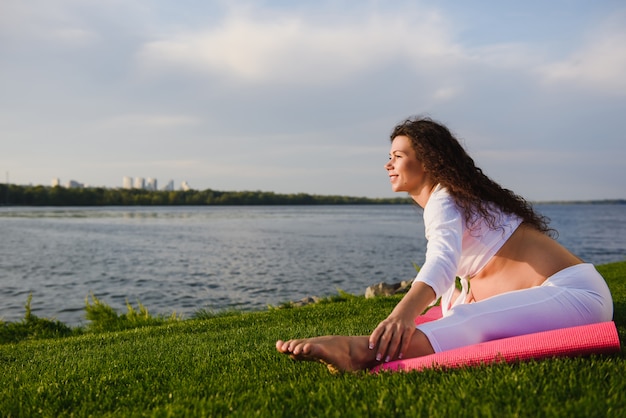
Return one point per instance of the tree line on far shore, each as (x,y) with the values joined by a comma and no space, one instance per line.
(16,195)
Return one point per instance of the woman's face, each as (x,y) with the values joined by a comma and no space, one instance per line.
(406,172)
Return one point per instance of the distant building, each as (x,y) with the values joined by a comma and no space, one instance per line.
(56,182)
(73,184)
(169,187)
(140,183)
(127,182)
(185,186)
(151,184)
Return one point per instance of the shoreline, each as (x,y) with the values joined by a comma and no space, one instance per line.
(96,307)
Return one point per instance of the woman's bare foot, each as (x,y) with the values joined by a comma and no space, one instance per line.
(338,352)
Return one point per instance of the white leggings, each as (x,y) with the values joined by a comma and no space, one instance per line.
(577,295)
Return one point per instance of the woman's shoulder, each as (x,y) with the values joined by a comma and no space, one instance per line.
(441,205)
(440,197)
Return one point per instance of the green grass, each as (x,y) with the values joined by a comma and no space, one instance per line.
(226,364)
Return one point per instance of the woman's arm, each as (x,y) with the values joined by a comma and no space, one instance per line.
(443,224)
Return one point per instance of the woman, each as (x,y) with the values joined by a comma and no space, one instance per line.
(515,278)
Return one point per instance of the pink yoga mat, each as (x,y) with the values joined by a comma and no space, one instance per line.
(432,314)
(601,338)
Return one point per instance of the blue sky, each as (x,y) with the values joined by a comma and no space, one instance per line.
(297,97)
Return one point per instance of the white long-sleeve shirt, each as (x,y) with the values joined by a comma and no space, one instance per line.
(454,250)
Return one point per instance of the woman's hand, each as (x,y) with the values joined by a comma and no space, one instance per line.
(392,337)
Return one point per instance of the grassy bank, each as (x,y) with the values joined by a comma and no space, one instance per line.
(227,365)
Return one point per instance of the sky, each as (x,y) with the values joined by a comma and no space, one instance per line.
(301,96)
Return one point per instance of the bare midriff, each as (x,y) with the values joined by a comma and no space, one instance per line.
(525,260)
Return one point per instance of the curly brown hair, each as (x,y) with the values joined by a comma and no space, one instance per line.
(448,164)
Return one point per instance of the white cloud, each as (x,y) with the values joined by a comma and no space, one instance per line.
(294,50)
(599,63)
(446,93)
